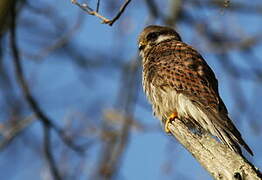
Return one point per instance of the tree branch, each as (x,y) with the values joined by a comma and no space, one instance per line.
(215,157)
(9,133)
(117,141)
(105,20)
(48,153)
(19,73)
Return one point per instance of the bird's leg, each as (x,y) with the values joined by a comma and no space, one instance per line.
(171,118)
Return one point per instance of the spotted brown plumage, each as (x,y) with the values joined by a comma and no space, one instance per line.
(180,84)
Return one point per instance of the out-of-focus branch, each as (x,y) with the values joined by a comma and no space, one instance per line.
(47,124)
(27,93)
(105,20)
(5,6)
(48,153)
(152,7)
(230,6)
(60,42)
(9,134)
(215,157)
(115,117)
(97,5)
(116,145)
(175,9)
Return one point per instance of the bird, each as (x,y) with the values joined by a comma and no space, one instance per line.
(180,84)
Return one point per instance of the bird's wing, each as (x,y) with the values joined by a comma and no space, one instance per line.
(181,68)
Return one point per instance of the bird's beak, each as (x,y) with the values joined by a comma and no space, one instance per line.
(141,45)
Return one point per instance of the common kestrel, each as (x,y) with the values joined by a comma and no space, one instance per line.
(180,84)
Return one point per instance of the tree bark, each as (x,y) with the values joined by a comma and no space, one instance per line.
(220,161)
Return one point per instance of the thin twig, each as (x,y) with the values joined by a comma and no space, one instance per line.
(105,20)
(121,10)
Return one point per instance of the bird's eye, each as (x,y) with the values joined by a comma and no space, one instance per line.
(141,47)
(152,36)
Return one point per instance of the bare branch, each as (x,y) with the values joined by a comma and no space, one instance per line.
(215,157)
(117,141)
(10,133)
(48,153)
(152,7)
(105,20)
(233,6)
(61,41)
(97,5)
(27,93)
(121,10)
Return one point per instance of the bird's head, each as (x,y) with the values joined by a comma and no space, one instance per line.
(153,35)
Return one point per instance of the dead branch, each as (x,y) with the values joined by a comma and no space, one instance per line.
(105,20)
(215,157)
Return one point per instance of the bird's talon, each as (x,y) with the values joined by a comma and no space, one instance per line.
(171,118)
(166,127)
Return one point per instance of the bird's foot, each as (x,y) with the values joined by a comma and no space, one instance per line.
(171,118)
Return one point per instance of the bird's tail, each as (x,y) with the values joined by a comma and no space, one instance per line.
(225,130)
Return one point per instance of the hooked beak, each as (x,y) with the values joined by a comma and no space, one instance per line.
(141,45)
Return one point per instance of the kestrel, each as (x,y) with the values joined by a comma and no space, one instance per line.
(179,84)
